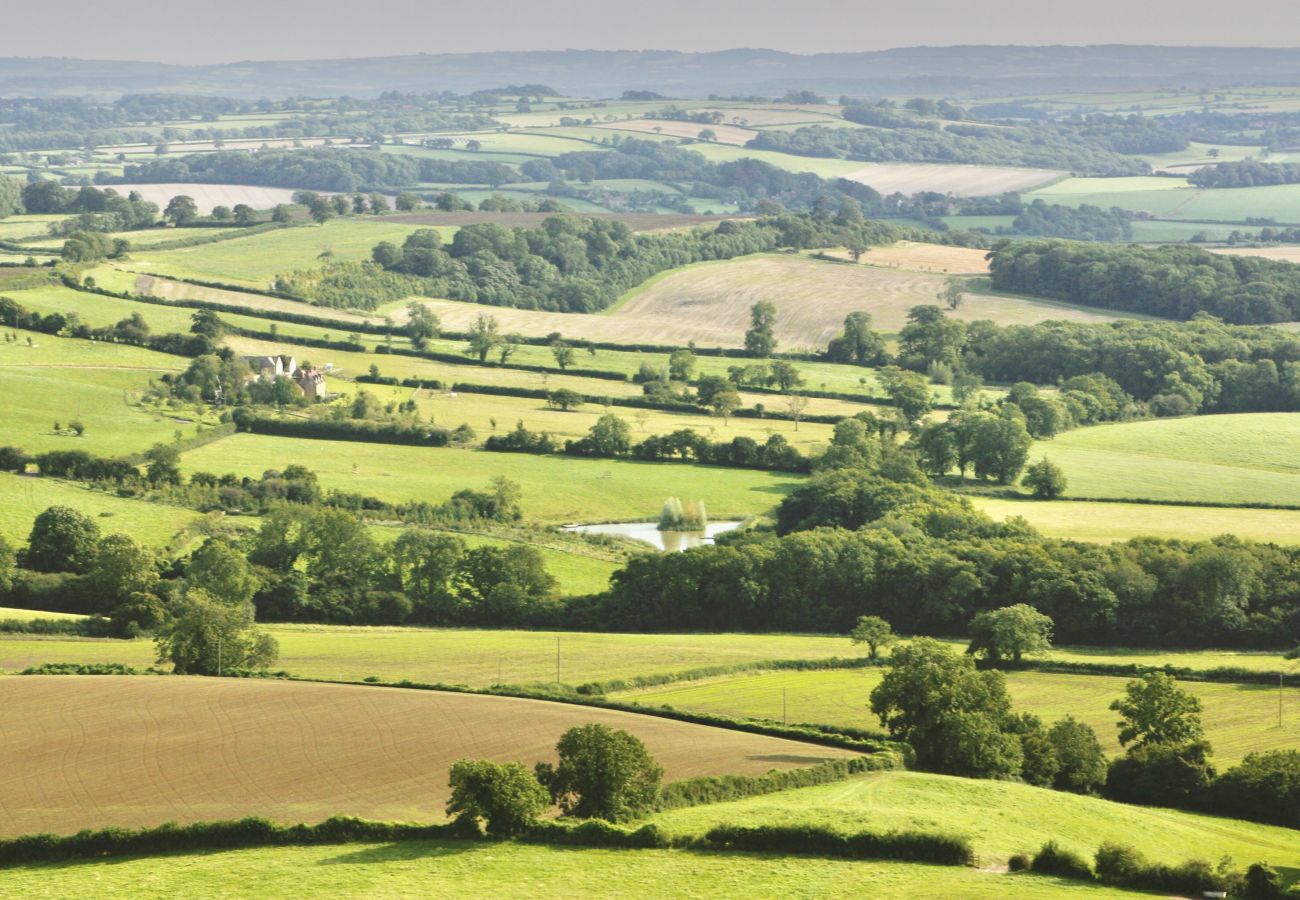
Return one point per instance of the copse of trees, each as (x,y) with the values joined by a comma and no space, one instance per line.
(1174,282)
(1245,173)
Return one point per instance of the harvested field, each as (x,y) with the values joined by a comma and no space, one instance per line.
(1285,254)
(926,258)
(85,752)
(726,134)
(168,289)
(963,181)
(709,303)
(205,146)
(635,221)
(209,195)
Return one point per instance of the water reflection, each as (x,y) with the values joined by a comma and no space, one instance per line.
(672,541)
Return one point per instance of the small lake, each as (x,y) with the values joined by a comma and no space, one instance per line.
(672,541)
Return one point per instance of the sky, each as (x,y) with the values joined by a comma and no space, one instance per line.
(214,31)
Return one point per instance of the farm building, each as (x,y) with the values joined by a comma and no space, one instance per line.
(268,367)
(311,381)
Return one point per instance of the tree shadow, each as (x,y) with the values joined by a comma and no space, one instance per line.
(403,851)
(793,759)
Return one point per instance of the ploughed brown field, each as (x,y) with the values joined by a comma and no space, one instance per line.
(91,751)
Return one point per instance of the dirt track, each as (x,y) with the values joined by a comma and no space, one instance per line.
(90,751)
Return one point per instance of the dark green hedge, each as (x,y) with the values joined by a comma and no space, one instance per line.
(817,840)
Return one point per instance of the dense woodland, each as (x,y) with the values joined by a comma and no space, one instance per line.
(1246,173)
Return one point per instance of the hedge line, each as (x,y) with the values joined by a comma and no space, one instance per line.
(817,840)
(798,665)
(93,627)
(717,789)
(459,359)
(1223,674)
(67,668)
(344,430)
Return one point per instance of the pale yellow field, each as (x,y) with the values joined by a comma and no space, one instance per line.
(1106,522)
(1286,254)
(925,258)
(726,134)
(963,181)
(209,195)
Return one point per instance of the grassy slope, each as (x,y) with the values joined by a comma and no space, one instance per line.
(555,489)
(1002,818)
(1104,522)
(1247,458)
(1238,718)
(22,499)
(513,870)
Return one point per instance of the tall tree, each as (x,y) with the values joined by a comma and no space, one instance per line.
(1155,710)
(760,339)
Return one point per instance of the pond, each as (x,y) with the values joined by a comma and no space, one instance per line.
(672,541)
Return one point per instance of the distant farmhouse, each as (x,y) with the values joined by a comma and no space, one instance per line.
(310,380)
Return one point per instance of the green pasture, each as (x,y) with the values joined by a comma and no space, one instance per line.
(27,615)
(1104,522)
(144,238)
(1233,459)
(14,228)
(555,489)
(462,869)
(257,259)
(23,498)
(1239,719)
(1172,198)
(1001,818)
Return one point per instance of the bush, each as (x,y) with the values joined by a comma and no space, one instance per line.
(1054,860)
(1019,862)
(1263,881)
(1124,866)
(505,797)
(1264,788)
(1161,775)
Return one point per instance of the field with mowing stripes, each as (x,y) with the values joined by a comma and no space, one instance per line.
(1106,521)
(118,750)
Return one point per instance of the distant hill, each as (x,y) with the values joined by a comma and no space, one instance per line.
(971,71)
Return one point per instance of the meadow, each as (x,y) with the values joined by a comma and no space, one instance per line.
(1172,198)
(1001,818)
(1239,719)
(1233,459)
(144,750)
(23,498)
(481,869)
(959,180)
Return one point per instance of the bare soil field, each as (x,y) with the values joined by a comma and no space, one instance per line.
(1286,254)
(635,221)
(726,134)
(208,196)
(963,181)
(709,303)
(83,752)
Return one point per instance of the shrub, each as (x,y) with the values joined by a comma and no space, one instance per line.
(1054,860)
(1161,774)
(1019,862)
(1263,881)
(603,773)
(1265,788)
(505,797)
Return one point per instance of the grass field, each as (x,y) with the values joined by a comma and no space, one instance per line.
(555,489)
(256,260)
(1246,458)
(1238,718)
(27,615)
(118,750)
(478,869)
(1173,198)
(23,498)
(961,180)
(1002,818)
(1105,521)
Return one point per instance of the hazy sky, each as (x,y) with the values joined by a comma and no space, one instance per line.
(185,31)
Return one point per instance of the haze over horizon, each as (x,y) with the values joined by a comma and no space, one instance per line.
(244,30)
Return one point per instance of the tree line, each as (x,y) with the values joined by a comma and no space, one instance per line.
(1245,173)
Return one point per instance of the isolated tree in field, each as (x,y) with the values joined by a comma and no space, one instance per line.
(723,404)
(856,246)
(796,405)
(181,210)
(407,201)
(121,568)
(421,324)
(1083,764)
(563,353)
(953,715)
(610,436)
(564,399)
(61,540)
(953,292)
(785,376)
(222,571)
(602,773)
(1155,710)
(873,631)
(859,344)
(707,134)
(1045,479)
(1009,633)
(681,365)
(760,340)
(209,637)
(244,214)
(503,799)
(483,336)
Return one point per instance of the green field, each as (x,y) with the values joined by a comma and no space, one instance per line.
(459,869)
(1239,719)
(1172,198)
(1234,459)
(1104,522)
(255,260)
(1002,818)
(23,498)
(555,489)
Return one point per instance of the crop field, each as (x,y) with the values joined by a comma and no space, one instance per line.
(23,498)
(147,750)
(555,489)
(207,196)
(1232,459)
(1238,718)
(1285,253)
(919,257)
(960,180)
(478,869)
(1001,818)
(256,260)
(1104,522)
(725,134)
